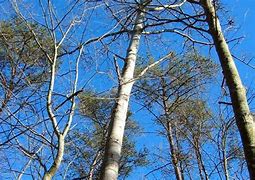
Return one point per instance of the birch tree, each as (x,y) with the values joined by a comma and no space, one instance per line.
(112,155)
(126,80)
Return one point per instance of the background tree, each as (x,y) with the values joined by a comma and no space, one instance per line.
(47,120)
(175,88)
(22,62)
(24,71)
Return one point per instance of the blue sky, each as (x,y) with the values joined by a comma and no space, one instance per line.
(243,14)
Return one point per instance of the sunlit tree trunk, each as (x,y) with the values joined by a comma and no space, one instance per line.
(225,160)
(110,166)
(237,91)
(57,161)
(60,135)
(93,165)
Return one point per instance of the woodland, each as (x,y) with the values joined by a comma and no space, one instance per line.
(126,89)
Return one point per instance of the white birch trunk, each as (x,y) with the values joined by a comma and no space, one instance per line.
(60,135)
(112,154)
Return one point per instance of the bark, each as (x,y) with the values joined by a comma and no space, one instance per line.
(223,150)
(110,166)
(174,158)
(93,165)
(225,163)
(237,91)
(200,163)
(57,161)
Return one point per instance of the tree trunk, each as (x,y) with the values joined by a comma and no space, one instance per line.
(93,165)
(237,91)
(201,166)
(174,157)
(224,152)
(110,166)
(57,161)
(225,163)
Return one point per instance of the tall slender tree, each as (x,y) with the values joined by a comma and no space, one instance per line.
(110,167)
(243,116)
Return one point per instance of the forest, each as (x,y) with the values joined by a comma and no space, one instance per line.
(127,89)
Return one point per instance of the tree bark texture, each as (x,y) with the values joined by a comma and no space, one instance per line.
(110,166)
(177,170)
(57,161)
(244,118)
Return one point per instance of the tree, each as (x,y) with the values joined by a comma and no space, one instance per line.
(110,166)
(24,70)
(22,62)
(126,80)
(52,48)
(243,116)
(47,60)
(175,88)
(228,144)
(88,149)
(195,23)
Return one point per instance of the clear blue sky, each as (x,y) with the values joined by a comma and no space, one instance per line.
(243,14)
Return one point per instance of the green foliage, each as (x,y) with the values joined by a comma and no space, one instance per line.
(94,108)
(23,64)
(193,120)
(174,90)
(20,55)
(181,77)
